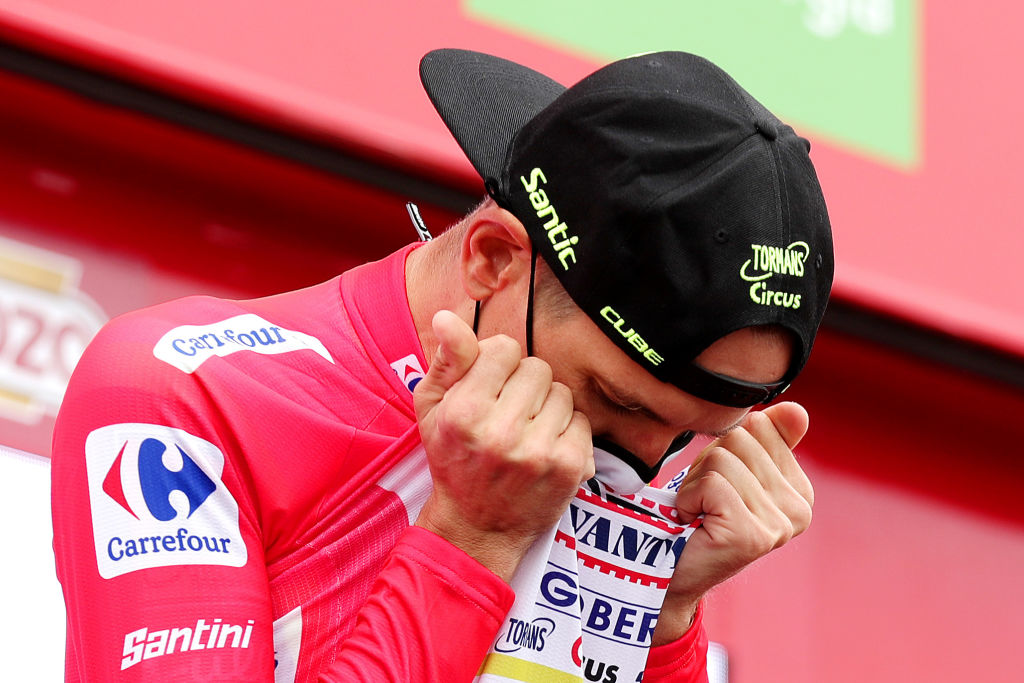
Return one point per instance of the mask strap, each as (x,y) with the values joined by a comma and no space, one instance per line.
(529,303)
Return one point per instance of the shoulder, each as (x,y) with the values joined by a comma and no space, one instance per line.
(185,334)
(132,342)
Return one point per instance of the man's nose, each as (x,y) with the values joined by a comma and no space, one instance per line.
(656,444)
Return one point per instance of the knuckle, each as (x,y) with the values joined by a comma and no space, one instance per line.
(758,421)
(560,393)
(568,456)
(784,532)
(716,458)
(581,426)
(589,470)
(797,509)
(807,491)
(536,366)
(500,438)
(763,542)
(459,416)
(502,345)
(801,516)
(711,479)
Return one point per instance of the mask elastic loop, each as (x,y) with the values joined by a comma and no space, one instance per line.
(529,303)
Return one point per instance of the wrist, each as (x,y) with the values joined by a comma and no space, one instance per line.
(500,552)
(675,619)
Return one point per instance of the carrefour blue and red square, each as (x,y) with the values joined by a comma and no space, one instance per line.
(157,500)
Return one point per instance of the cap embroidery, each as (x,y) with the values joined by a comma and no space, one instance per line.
(631,335)
(561,241)
(768,261)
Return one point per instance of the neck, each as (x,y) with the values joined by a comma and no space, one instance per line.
(433,282)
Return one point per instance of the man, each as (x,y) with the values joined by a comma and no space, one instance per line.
(267,495)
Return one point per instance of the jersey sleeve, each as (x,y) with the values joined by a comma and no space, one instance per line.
(681,661)
(432,616)
(155,536)
(164,522)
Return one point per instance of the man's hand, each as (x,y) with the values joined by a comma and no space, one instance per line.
(755,497)
(506,450)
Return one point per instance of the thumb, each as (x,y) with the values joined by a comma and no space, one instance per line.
(790,419)
(457,350)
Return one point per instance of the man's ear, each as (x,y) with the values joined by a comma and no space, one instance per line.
(495,251)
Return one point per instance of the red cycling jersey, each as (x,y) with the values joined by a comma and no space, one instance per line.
(229,501)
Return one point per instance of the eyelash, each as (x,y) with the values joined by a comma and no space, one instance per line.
(621,409)
(615,406)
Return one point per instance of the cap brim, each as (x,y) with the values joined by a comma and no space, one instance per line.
(484,101)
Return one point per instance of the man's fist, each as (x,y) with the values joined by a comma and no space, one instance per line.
(506,450)
(754,497)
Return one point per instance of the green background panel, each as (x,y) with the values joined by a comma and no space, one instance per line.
(846,70)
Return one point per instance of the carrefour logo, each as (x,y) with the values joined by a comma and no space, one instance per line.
(158,483)
(189,346)
(409,371)
(157,500)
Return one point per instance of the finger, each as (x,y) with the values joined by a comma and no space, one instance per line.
(761,448)
(526,391)
(457,350)
(745,483)
(791,421)
(729,493)
(759,444)
(710,493)
(556,412)
(498,358)
(578,436)
(779,431)
(564,433)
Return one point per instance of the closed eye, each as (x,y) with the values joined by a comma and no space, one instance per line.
(620,407)
(626,410)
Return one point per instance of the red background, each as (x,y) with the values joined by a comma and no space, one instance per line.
(910,570)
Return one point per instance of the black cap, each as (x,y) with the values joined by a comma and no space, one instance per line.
(673,207)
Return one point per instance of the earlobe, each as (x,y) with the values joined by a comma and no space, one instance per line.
(495,251)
